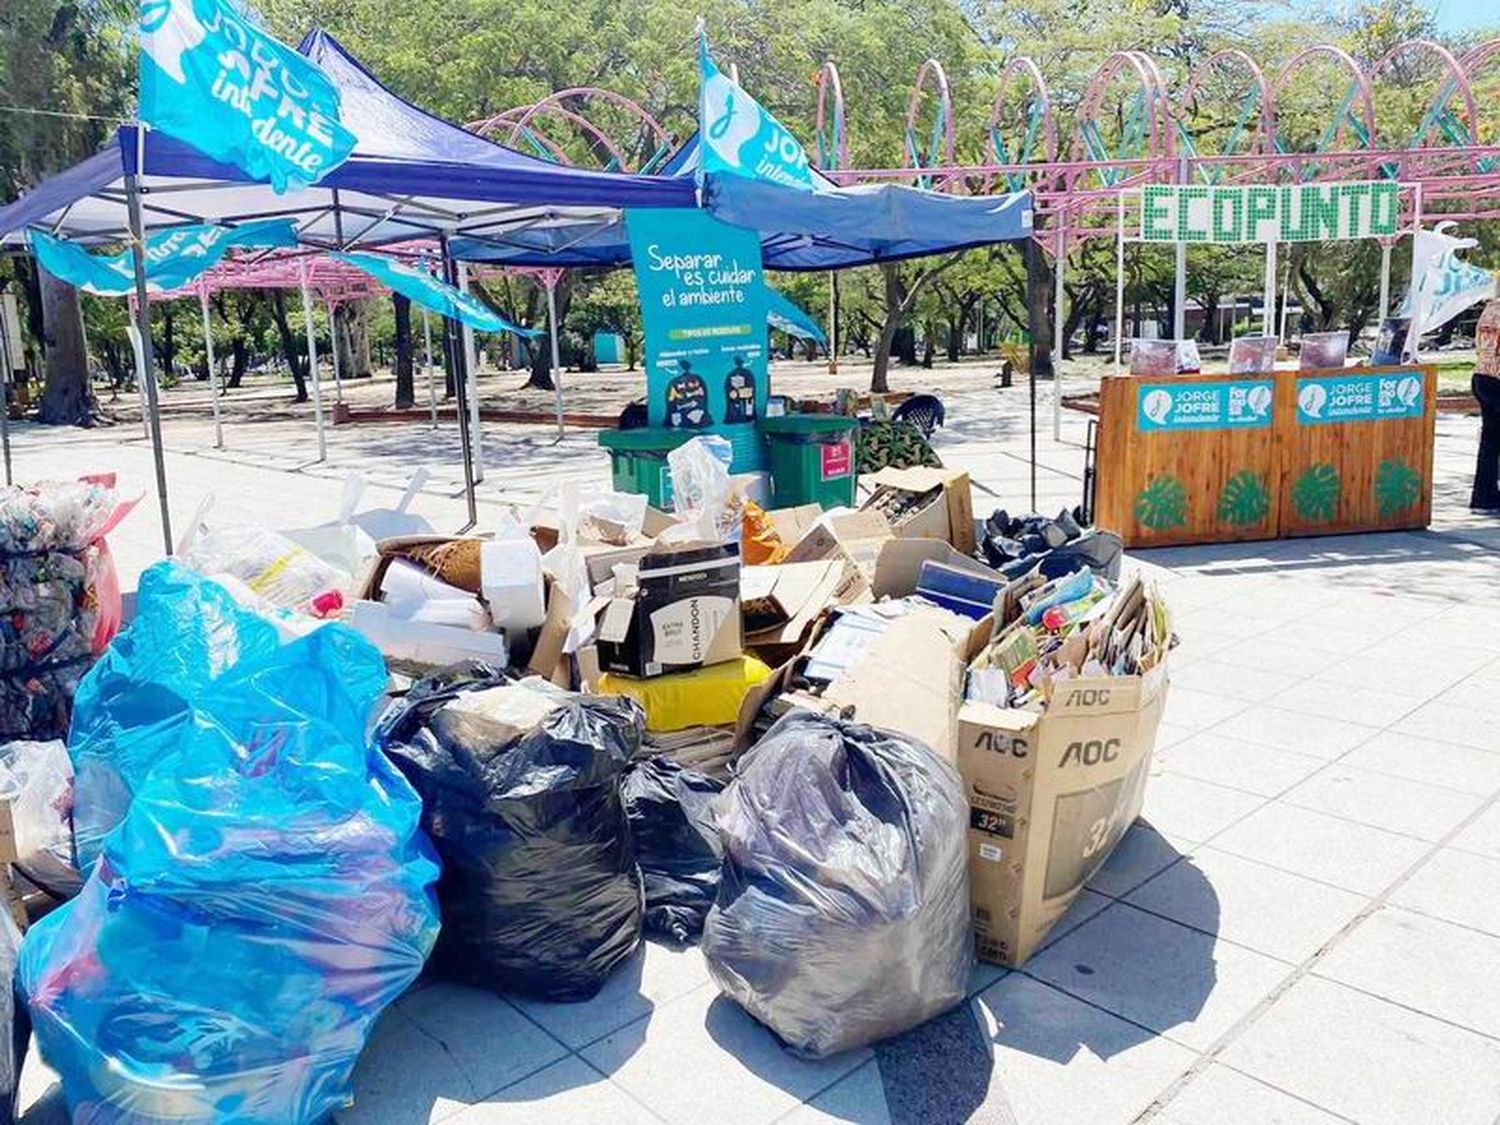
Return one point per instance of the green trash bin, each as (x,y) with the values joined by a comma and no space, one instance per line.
(638,461)
(812,459)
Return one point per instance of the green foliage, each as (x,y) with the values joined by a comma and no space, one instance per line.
(1162,504)
(1315,495)
(1245,500)
(1397,487)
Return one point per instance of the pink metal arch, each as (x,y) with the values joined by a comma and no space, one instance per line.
(831,119)
(513,121)
(1232,58)
(1023,68)
(944,96)
(1453,82)
(1360,83)
(1131,65)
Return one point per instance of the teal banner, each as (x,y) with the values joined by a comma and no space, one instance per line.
(433,293)
(174,258)
(740,136)
(703,308)
(1360,398)
(214,79)
(788,317)
(1232,405)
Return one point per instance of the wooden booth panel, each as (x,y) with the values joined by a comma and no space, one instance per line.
(1356,449)
(1187,460)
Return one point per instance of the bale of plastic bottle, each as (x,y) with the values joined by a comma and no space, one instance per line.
(843,910)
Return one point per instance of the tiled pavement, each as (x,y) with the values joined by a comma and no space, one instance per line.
(1305,928)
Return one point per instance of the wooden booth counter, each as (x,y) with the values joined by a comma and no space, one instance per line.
(1220,458)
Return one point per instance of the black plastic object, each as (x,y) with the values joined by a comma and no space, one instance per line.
(676,843)
(15,1021)
(540,893)
(1015,545)
(843,915)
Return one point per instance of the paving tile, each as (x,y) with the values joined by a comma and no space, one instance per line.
(1270,911)
(1369,1060)
(1085,906)
(1269,652)
(1481,835)
(1382,670)
(1253,685)
(1169,734)
(731,1060)
(1342,641)
(468,1045)
(1194,810)
(1447,723)
(1220,1096)
(39,1099)
(569,1092)
(1064,1062)
(1457,887)
(1382,801)
(982,975)
(1338,701)
(1445,764)
(1210,756)
(1479,692)
(1296,732)
(1140,854)
(1425,963)
(859,1098)
(1186,984)
(656,975)
(1339,852)
(1187,707)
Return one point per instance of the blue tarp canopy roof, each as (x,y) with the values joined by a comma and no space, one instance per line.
(830,228)
(412,175)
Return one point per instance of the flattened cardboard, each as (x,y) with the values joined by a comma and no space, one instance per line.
(948,516)
(857,536)
(792,523)
(8,853)
(1050,795)
(790,596)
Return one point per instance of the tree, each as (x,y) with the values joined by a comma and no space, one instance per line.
(66,399)
(292,346)
(406,394)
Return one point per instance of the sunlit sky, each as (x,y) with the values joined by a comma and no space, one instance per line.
(1465,15)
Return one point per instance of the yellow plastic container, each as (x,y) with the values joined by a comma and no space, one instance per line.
(704,697)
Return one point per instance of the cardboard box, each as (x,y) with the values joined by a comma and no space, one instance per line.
(856,536)
(1050,794)
(421,644)
(947,514)
(683,611)
(780,603)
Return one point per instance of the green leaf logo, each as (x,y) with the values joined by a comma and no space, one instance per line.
(1397,487)
(1162,504)
(1315,496)
(1245,499)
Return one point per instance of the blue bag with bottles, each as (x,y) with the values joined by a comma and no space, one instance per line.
(267,892)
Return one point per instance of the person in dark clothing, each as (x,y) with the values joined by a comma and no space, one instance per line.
(1486,387)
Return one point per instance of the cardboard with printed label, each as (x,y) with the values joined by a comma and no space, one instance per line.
(1050,795)
(682,611)
(933,504)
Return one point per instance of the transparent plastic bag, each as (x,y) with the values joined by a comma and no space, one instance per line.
(15,1023)
(676,843)
(702,492)
(36,781)
(267,893)
(276,568)
(843,908)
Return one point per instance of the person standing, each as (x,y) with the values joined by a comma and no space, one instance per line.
(1486,387)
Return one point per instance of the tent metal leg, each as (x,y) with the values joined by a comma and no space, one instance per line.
(471,382)
(457,363)
(7,373)
(431,379)
(333,340)
(213,371)
(557,388)
(1030,253)
(142,313)
(312,366)
(1059,327)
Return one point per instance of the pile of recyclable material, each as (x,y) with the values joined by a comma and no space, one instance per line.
(1014,545)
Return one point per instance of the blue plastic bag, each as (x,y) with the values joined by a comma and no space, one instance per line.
(267,893)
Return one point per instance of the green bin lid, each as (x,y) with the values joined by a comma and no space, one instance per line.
(802,425)
(647,439)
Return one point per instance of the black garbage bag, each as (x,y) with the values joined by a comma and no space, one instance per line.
(676,843)
(15,1020)
(520,784)
(843,911)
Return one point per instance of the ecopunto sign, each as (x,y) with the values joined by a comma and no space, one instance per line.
(1313,212)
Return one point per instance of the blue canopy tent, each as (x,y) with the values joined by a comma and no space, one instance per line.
(412,176)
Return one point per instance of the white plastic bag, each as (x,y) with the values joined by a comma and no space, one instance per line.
(36,781)
(284,573)
(702,492)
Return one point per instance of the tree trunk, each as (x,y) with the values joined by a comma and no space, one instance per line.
(65,395)
(406,393)
(239,361)
(291,347)
(955,337)
(359,329)
(541,349)
(164,339)
(1039,311)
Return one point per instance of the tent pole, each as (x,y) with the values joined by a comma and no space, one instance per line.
(1269,297)
(7,373)
(1179,276)
(431,382)
(457,363)
(213,378)
(143,330)
(1031,363)
(312,365)
(1059,327)
(471,381)
(1385,278)
(1119,282)
(142,366)
(556,355)
(333,342)
(1414,331)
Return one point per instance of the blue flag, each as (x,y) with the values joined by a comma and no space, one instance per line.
(173,258)
(740,137)
(212,78)
(784,314)
(432,293)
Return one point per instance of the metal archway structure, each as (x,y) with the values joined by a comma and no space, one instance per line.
(526,126)
(940,136)
(832,129)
